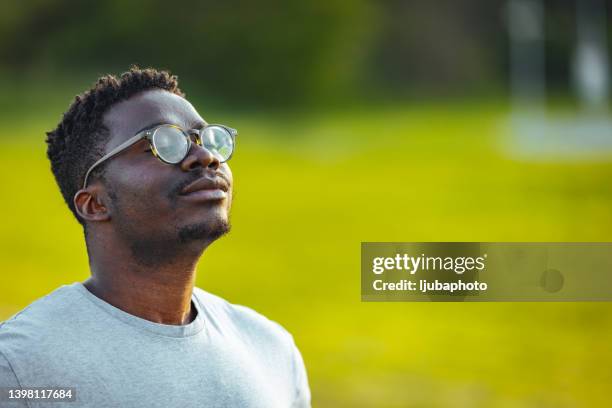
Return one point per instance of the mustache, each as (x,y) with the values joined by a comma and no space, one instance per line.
(193,176)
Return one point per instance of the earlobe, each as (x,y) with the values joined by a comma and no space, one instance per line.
(89,206)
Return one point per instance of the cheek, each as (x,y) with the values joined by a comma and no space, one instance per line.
(230,177)
(141,193)
(227,172)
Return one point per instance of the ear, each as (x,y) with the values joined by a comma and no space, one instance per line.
(89,204)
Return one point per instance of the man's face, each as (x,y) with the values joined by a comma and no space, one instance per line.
(148,209)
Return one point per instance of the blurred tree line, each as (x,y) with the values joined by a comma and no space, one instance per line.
(280,52)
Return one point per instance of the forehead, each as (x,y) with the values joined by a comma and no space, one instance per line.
(147,108)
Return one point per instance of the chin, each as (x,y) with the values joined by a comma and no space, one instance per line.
(208,231)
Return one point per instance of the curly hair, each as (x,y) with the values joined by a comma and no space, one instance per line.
(79,139)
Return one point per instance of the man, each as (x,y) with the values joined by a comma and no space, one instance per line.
(148,180)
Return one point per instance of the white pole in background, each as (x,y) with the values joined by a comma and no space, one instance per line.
(591,69)
(527,57)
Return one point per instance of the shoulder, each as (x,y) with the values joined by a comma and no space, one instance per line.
(40,320)
(242,319)
(264,337)
(42,311)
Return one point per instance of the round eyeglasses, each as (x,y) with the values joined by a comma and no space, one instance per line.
(171,143)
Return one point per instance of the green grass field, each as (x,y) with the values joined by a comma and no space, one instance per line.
(309,189)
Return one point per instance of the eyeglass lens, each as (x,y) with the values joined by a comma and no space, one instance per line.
(170,143)
(172,146)
(218,141)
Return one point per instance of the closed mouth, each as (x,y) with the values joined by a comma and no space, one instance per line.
(206,183)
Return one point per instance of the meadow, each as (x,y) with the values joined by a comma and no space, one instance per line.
(309,188)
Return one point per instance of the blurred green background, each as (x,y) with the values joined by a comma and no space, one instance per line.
(359,121)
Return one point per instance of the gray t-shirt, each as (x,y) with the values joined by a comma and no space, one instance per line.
(229,356)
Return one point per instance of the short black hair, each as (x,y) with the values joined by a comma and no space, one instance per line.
(79,139)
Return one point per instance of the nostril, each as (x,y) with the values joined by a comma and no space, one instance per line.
(214,164)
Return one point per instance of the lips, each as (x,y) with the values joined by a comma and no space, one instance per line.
(205,183)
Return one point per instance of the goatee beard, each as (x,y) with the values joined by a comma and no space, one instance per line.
(203,232)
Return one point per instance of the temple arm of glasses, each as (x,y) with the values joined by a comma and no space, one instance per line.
(113,152)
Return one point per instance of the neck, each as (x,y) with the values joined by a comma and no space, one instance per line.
(158,293)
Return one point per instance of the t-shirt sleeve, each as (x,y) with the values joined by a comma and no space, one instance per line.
(302,390)
(8,379)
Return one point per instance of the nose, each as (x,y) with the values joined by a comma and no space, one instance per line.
(199,156)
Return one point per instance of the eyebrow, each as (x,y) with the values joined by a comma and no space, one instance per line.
(195,125)
(150,127)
